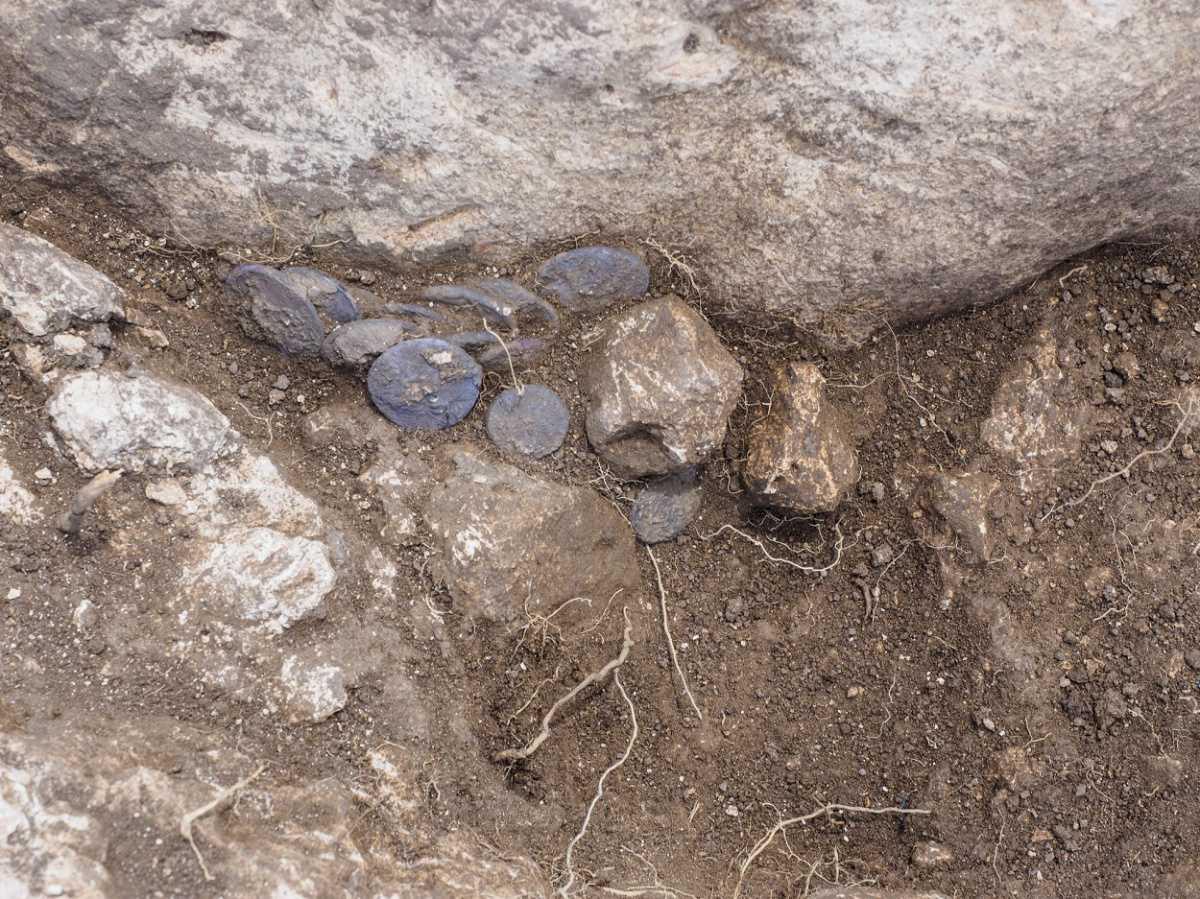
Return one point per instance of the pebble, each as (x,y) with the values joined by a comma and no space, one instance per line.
(425,383)
(589,279)
(522,300)
(44,476)
(1192,657)
(280,315)
(532,421)
(357,343)
(166,492)
(13,593)
(275,397)
(282,383)
(665,507)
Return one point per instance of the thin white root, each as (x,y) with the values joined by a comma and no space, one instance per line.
(839,545)
(516,755)
(662,596)
(564,890)
(72,520)
(536,690)
(223,796)
(762,845)
(518,386)
(1185,415)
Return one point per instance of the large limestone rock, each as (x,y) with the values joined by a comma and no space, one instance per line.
(46,290)
(800,457)
(111,420)
(660,388)
(70,787)
(518,548)
(820,160)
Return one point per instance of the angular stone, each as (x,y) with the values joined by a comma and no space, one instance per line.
(590,279)
(313,690)
(166,492)
(70,785)
(664,508)
(326,293)
(800,457)
(1035,422)
(660,388)
(424,383)
(277,313)
(46,290)
(17,504)
(357,343)
(928,855)
(512,545)
(398,479)
(962,502)
(532,421)
(263,576)
(111,420)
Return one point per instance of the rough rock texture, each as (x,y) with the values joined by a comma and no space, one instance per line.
(512,544)
(46,290)
(357,343)
(17,504)
(264,576)
(961,501)
(660,388)
(845,155)
(69,788)
(111,420)
(1036,423)
(800,457)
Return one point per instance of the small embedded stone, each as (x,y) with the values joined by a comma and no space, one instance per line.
(357,343)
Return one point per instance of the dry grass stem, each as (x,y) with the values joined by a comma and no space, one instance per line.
(217,802)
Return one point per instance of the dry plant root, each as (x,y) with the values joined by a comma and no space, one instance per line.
(516,755)
(662,596)
(838,547)
(564,890)
(72,520)
(223,796)
(1185,415)
(762,845)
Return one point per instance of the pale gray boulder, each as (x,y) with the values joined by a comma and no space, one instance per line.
(112,420)
(46,290)
(825,162)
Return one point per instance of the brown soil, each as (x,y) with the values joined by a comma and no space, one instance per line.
(1031,716)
